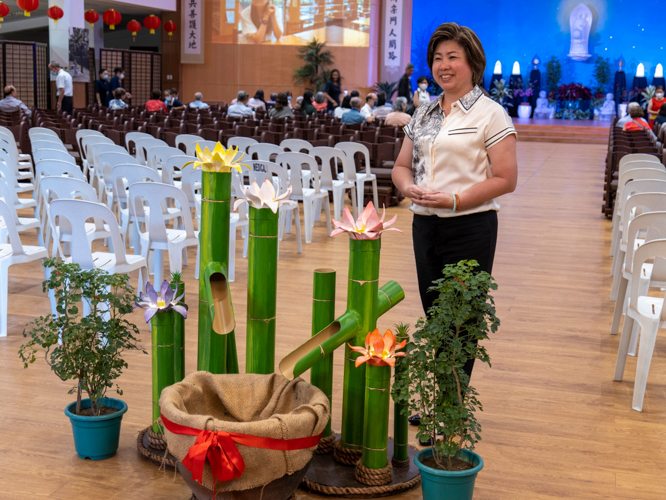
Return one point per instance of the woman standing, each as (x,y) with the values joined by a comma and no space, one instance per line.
(655,104)
(332,90)
(421,95)
(458,157)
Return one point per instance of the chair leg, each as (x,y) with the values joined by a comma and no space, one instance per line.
(337,209)
(360,191)
(158,263)
(618,262)
(327,213)
(355,207)
(196,266)
(4,294)
(643,289)
(649,338)
(616,251)
(299,243)
(375,195)
(246,236)
(623,348)
(307,216)
(619,305)
(289,222)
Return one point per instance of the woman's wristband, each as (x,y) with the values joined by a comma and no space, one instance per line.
(457,204)
(453,197)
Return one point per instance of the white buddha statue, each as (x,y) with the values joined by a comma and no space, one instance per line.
(580,23)
(607,111)
(542,110)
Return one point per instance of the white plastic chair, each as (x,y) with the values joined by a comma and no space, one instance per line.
(132,137)
(190,142)
(650,313)
(106,163)
(52,154)
(13,253)
(37,145)
(314,199)
(87,143)
(9,176)
(58,168)
(22,187)
(296,146)
(156,236)
(143,145)
(339,187)
(203,144)
(264,151)
(23,161)
(80,134)
(633,165)
(157,156)
(351,149)
(173,169)
(242,143)
(36,131)
(188,183)
(637,157)
(21,223)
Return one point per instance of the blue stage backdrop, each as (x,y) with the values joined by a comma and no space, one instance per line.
(509,33)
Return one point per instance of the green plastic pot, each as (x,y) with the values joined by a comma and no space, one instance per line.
(443,484)
(96,438)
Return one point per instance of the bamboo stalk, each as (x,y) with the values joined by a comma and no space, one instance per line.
(400,420)
(362,290)
(323,314)
(376,416)
(179,336)
(214,349)
(162,326)
(261,291)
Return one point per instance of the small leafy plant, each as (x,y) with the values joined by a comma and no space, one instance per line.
(553,74)
(647,95)
(500,93)
(389,88)
(91,346)
(176,277)
(432,378)
(316,58)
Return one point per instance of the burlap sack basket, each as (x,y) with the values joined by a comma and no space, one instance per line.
(258,405)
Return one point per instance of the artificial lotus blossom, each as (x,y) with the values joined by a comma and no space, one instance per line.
(265,196)
(165,301)
(379,350)
(367,227)
(218,160)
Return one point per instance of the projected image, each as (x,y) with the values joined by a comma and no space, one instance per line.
(292,22)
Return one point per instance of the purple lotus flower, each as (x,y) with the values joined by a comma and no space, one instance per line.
(163,302)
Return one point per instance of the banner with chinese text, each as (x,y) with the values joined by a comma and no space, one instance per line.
(392,33)
(193,33)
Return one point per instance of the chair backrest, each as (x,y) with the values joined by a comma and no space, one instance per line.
(96,150)
(636,174)
(66,188)
(80,134)
(41,144)
(107,162)
(173,162)
(154,195)
(242,143)
(77,212)
(130,174)
(294,162)
(266,170)
(637,157)
(6,194)
(264,151)
(631,165)
(88,141)
(655,249)
(51,154)
(188,177)
(194,186)
(326,154)
(190,142)
(654,224)
(7,214)
(57,168)
(132,137)
(143,145)
(158,155)
(643,203)
(7,173)
(35,131)
(203,144)
(351,149)
(296,145)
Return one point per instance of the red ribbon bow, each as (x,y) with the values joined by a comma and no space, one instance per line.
(220,448)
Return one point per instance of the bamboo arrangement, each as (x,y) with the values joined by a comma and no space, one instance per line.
(400,418)
(163,327)
(179,332)
(217,343)
(376,416)
(323,315)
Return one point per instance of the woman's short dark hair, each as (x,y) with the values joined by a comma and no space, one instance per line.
(156,94)
(637,112)
(119,92)
(281,101)
(259,94)
(422,79)
(467,39)
(381,98)
(346,102)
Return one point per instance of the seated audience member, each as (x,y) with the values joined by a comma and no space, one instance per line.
(660,119)
(370,101)
(306,107)
(354,115)
(273,97)
(636,122)
(383,107)
(118,102)
(399,116)
(355,93)
(343,108)
(258,102)
(289,97)
(240,109)
(198,102)
(320,103)
(10,103)
(171,100)
(156,103)
(620,123)
(297,105)
(281,108)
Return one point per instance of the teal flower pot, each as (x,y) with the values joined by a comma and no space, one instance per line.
(442,484)
(96,438)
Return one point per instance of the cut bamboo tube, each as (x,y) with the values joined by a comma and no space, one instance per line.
(376,416)
(162,326)
(400,422)
(179,335)
(215,346)
(323,314)
(261,290)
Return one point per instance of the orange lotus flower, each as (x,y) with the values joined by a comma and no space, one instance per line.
(379,350)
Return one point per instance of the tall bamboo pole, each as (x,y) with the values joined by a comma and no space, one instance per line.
(323,314)
(162,326)
(216,353)
(362,289)
(261,290)
(400,422)
(376,416)
(179,335)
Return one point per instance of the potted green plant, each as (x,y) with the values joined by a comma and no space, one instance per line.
(433,380)
(87,347)
(501,92)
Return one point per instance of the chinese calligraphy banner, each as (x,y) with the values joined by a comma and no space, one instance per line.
(192,37)
(392,26)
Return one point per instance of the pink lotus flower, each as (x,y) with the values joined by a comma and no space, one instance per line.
(367,227)
(379,350)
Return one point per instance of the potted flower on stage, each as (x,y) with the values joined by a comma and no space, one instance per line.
(87,348)
(525,108)
(434,382)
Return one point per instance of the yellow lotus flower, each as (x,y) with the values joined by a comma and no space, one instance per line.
(219,160)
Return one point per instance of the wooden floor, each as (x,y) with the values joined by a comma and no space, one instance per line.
(555,425)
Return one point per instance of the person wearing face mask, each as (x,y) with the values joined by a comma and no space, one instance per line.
(261,22)
(172,102)
(421,96)
(102,88)
(654,105)
(64,87)
(117,81)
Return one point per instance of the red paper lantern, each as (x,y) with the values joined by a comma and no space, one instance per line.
(27,6)
(4,10)
(152,23)
(91,17)
(170,27)
(134,26)
(112,17)
(55,13)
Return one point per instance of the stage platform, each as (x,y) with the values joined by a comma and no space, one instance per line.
(569,131)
